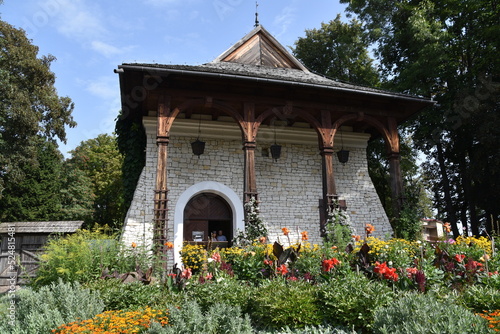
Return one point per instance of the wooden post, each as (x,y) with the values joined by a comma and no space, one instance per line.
(250,128)
(395,168)
(327,152)
(161,189)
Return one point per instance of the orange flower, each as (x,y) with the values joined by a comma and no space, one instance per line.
(447,227)
(356,237)
(285,231)
(169,245)
(134,245)
(305,235)
(369,228)
(328,265)
(262,240)
(283,270)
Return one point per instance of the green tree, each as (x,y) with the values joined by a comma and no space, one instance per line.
(29,105)
(338,50)
(101,162)
(447,49)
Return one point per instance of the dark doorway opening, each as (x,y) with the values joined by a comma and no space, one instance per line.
(205,213)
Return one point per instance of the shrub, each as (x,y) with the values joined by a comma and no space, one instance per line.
(480,298)
(193,257)
(417,313)
(227,291)
(117,295)
(321,329)
(278,303)
(219,319)
(351,300)
(81,257)
(40,311)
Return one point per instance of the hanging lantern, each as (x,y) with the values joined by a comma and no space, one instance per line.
(275,151)
(343,156)
(198,147)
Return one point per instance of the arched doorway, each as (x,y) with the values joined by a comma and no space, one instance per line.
(204,213)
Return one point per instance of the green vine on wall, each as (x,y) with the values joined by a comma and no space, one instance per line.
(131,139)
(255,227)
(339,230)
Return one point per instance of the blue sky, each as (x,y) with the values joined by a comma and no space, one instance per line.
(90,38)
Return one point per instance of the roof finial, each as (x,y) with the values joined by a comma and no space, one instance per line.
(257,14)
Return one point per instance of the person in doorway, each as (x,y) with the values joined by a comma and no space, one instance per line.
(213,236)
(221,236)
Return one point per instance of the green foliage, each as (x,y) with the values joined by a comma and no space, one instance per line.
(117,295)
(339,231)
(279,303)
(479,298)
(225,291)
(338,50)
(101,162)
(351,300)
(82,257)
(51,306)
(417,313)
(29,106)
(255,227)
(131,141)
(321,329)
(218,319)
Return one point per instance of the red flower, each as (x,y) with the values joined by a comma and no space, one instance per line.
(459,257)
(328,265)
(268,262)
(411,272)
(292,278)
(385,272)
(283,270)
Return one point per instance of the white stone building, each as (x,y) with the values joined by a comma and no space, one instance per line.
(254,95)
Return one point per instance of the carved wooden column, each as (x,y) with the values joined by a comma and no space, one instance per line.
(249,126)
(396,177)
(161,188)
(327,133)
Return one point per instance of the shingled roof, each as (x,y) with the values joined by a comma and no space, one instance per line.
(260,57)
(42,227)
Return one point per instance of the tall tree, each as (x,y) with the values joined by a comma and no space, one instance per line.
(100,160)
(447,49)
(29,105)
(338,50)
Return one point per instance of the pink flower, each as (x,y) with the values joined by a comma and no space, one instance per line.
(216,257)
(186,273)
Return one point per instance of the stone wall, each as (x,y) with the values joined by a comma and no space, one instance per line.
(289,189)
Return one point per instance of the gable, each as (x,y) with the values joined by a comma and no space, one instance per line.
(259,48)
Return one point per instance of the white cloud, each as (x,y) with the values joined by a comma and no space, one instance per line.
(285,18)
(105,87)
(78,20)
(108,50)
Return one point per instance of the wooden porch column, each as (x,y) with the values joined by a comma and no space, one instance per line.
(327,153)
(249,126)
(161,188)
(395,168)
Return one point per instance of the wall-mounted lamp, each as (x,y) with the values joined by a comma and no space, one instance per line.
(342,155)
(275,148)
(198,146)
